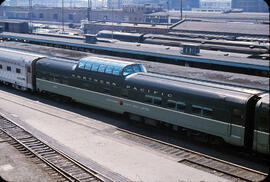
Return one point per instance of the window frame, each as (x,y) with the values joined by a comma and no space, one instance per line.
(153,100)
(109,69)
(95,67)
(196,107)
(102,68)
(18,70)
(180,104)
(116,71)
(171,102)
(88,66)
(127,73)
(210,110)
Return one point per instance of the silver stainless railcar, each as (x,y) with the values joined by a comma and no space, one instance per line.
(17,68)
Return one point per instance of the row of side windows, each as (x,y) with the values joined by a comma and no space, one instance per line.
(153,100)
(172,104)
(180,106)
(9,69)
(100,68)
(154,97)
(202,111)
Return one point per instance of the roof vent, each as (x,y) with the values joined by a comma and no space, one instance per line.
(191,49)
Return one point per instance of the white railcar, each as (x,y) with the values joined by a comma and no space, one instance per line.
(16,68)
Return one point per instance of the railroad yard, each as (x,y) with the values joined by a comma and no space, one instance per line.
(47,136)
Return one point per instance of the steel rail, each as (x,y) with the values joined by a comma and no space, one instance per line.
(185,155)
(67,167)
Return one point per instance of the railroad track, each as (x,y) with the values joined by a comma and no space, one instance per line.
(59,165)
(194,159)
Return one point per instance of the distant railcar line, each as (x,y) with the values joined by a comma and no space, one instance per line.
(74,44)
(184,77)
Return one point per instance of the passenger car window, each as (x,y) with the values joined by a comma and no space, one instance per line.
(109,69)
(8,68)
(116,71)
(207,112)
(102,68)
(1,66)
(127,71)
(196,110)
(81,64)
(157,101)
(171,104)
(136,68)
(18,70)
(94,67)
(181,106)
(143,69)
(88,66)
(153,100)
(148,99)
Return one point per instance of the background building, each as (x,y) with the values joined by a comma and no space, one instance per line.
(114,4)
(250,5)
(187,4)
(47,3)
(215,5)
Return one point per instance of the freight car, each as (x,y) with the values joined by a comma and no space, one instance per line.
(237,116)
(174,41)
(122,36)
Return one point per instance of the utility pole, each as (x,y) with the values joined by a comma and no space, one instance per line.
(181,4)
(89,10)
(168,15)
(63,29)
(30,16)
(111,15)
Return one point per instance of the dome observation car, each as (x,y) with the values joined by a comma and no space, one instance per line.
(110,66)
